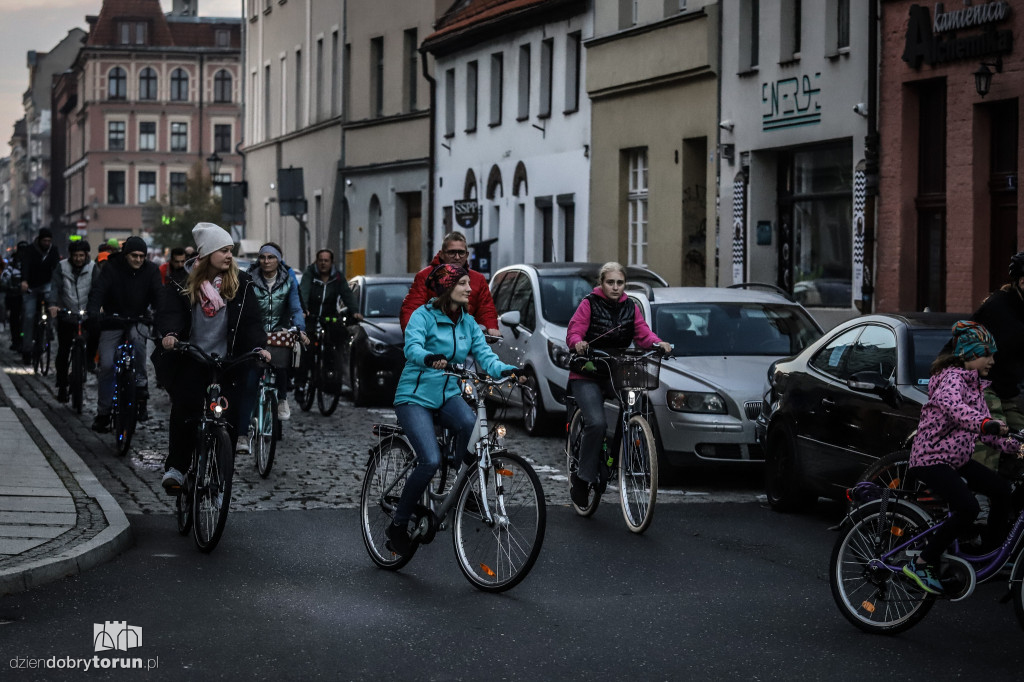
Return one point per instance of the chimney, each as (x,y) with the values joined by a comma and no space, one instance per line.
(185,8)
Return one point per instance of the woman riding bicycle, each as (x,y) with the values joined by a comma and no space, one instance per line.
(607,320)
(440,331)
(277,291)
(940,457)
(217,311)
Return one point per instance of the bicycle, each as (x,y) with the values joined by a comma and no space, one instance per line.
(886,528)
(497,499)
(202,505)
(634,458)
(42,338)
(265,426)
(320,381)
(124,410)
(76,379)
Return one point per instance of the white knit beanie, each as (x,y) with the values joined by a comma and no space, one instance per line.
(210,238)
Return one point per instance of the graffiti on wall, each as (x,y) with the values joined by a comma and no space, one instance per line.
(790,102)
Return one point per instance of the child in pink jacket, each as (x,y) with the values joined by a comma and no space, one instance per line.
(940,458)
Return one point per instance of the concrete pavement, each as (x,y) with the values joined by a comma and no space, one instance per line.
(55,517)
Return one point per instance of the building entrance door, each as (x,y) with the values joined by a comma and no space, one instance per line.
(1002,187)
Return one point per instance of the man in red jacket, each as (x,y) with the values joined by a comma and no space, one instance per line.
(481,306)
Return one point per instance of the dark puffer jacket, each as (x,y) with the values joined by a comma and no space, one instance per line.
(123,290)
(1002,314)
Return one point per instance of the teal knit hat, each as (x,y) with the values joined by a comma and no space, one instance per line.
(972,341)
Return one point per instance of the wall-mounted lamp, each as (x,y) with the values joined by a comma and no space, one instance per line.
(861,109)
(213,162)
(726,125)
(983,77)
(348,182)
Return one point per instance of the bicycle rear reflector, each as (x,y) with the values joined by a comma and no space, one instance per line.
(504,472)
(487,569)
(867,606)
(897,531)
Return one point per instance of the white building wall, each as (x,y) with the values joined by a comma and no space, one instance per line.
(554,150)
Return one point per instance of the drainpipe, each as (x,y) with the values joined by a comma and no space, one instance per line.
(242,77)
(871,152)
(430,154)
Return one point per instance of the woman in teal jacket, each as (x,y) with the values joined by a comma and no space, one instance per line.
(439,332)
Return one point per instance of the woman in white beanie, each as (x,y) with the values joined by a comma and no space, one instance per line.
(215,309)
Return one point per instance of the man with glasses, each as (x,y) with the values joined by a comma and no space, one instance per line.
(127,286)
(481,306)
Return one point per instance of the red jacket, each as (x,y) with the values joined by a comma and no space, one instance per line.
(481,305)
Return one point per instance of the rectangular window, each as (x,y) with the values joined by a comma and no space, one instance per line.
(449,103)
(843,24)
(335,86)
(497,86)
(147,136)
(179,137)
(627,13)
(930,201)
(471,80)
(547,49)
(222,37)
(222,137)
(377,77)
(572,72)
(346,83)
(298,90)
(637,199)
(749,47)
(318,85)
(140,33)
(125,31)
(266,102)
(178,188)
(524,82)
(115,188)
(115,136)
(147,186)
(411,42)
(789,30)
(674,7)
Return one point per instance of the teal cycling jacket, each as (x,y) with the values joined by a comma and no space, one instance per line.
(432,332)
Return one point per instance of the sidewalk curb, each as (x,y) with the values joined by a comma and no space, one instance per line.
(106,545)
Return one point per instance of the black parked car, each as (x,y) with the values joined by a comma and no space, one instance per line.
(371,358)
(846,400)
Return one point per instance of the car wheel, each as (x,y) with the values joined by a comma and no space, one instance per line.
(359,393)
(781,473)
(535,418)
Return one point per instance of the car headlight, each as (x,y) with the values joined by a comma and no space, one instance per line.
(377,346)
(695,401)
(559,354)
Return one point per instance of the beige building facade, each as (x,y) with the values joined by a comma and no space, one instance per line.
(652,77)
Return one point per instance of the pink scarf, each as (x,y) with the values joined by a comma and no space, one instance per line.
(209,296)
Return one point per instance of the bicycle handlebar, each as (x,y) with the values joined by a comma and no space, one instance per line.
(460,371)
(217,361)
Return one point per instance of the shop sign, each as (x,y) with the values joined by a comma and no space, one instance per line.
(466,213)
(790,103)
(938,42)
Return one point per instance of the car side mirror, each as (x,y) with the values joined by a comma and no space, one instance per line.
(511,320)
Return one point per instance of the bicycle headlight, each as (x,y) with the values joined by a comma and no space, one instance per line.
(559,354)
(631,398)
(500,430)
(696,401)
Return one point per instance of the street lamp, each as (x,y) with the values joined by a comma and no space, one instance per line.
(983,77)
(213,162)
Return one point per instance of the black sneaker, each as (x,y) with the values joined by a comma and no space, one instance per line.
(398,539)
(142,413)
(101,424)
(62,394)
(579,491)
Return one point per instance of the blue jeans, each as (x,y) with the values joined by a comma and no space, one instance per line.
(589,397)
(418,423)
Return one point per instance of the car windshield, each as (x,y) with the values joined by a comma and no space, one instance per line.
(697,329)
(384,300)
(560,295)
(925,345)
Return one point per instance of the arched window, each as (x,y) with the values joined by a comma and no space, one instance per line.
(222,86)
(147,84)
(494,187)
(469,190)
(117,83)
(179,85)
(519,184)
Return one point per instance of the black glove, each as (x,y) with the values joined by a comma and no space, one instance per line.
(511,372)
(991,427)
(432,358)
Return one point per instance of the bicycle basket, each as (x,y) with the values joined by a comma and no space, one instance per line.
(638,373)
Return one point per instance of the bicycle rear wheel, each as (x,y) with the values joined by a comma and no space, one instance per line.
(638,474)
(264,443)
(496,553)
(574,439)
(213,489)
(305,390)
(870,595)
(124,411)
(382,487)
(326,400)
(76,382)
(44,356)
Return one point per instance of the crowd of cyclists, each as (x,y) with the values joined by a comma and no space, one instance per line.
(200,296)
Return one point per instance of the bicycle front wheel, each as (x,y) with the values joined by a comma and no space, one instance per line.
(44,356)
(873,597)
(638,474)
(213,489)
(76,382)
(305,390)
(497,546)
(264,444)
(124,412)
(574,440)
(382,487)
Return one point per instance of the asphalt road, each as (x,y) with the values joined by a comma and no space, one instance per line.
(712,591)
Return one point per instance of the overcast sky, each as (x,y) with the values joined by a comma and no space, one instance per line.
(41,24)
